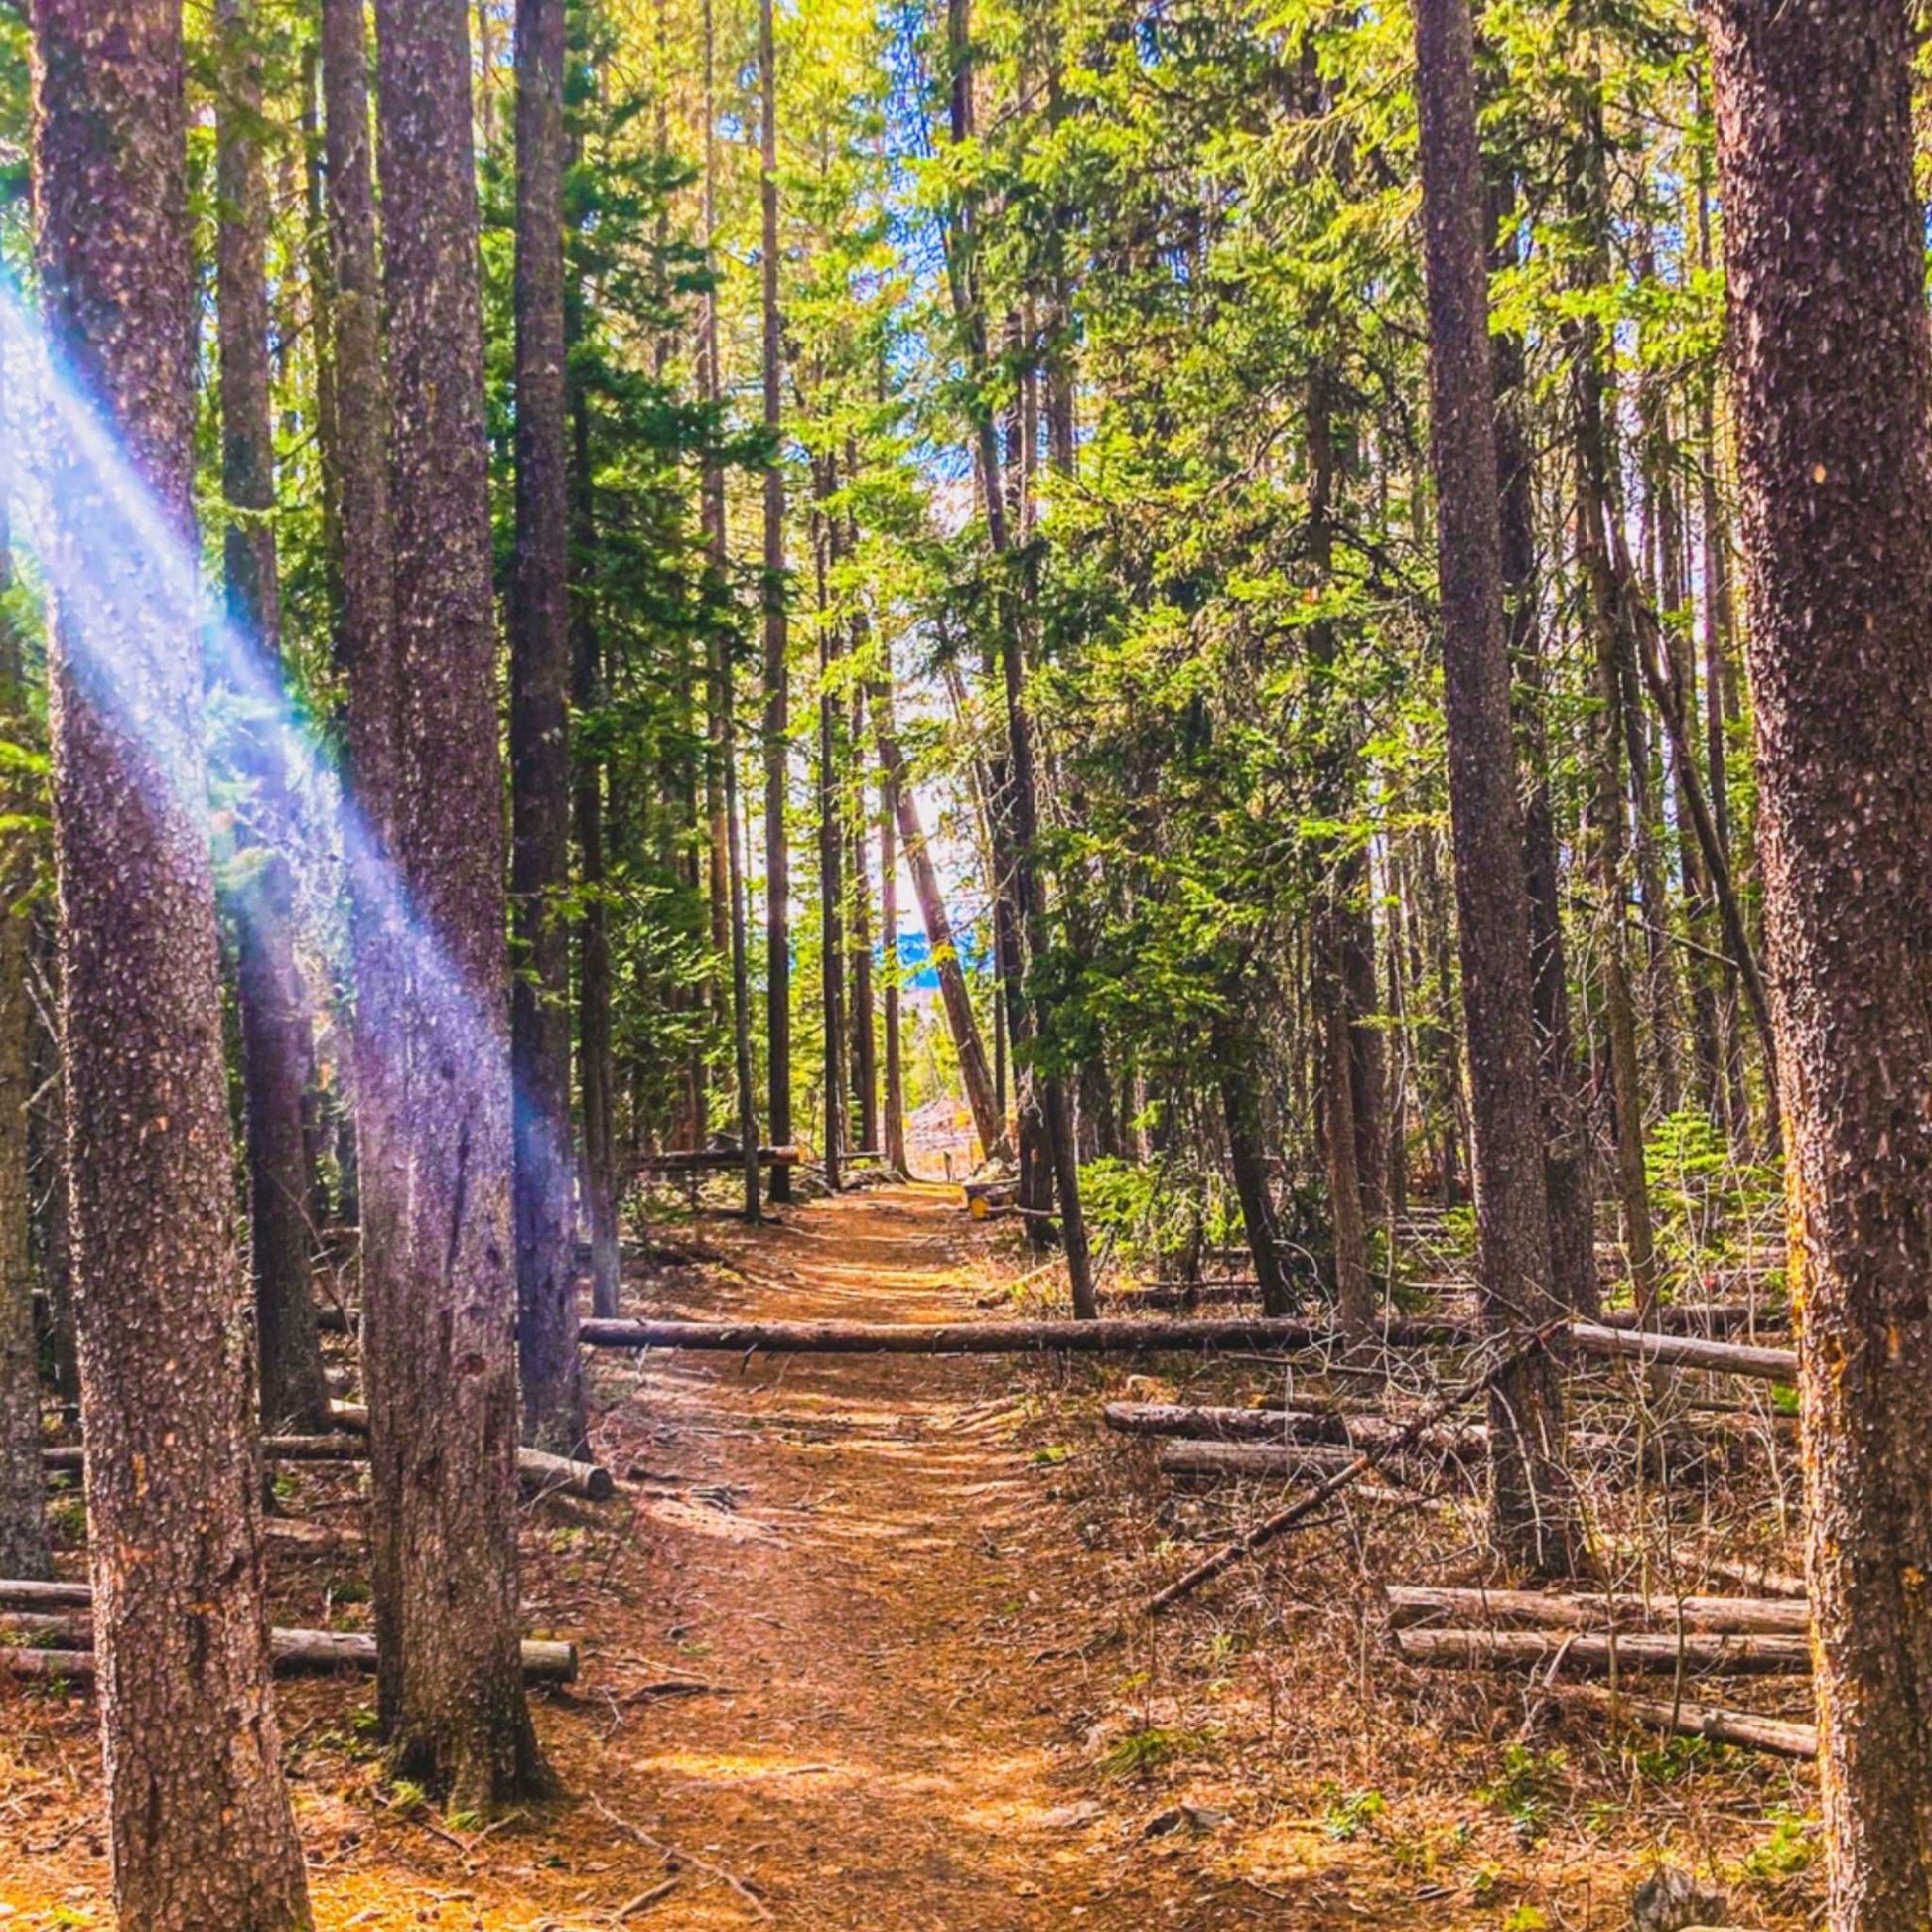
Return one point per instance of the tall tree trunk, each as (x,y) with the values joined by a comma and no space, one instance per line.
(549,1360)
(1061,1146)
(865,1061)
(831,843)
(1235,1074)
(1531,1509)
(1610,807)
(439,1311)
(1569,1182)
(23,1522)
(777,723)
(893,1145)
(1824,253)
(595,1062)
(276,1047)
(199,1817)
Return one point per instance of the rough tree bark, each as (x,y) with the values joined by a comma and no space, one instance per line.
(199,1819)
(276,1047)
(439,1312)
(549,1361)
(1825,260)
(23,1522)
(778,721)
(1532,1516)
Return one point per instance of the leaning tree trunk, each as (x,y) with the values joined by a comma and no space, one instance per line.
(23,1521)
(963,1024)
(1532,1514)
(198,1818)
(277,1050)
(549,1361)
(439,1310)
(1824,251)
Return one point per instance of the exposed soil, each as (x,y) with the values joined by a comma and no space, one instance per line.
(857,1655)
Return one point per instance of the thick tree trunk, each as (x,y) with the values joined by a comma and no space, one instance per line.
(277,1050)
(198,1818)
(549,1362)
(439,1310)
(23,1523)
(1824,253)
(365,643)
(1532,1512)
(778,721)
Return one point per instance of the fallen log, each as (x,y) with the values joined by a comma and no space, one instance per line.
(1757,1576)
(1113,1335)
(1264,1461)
(1642,1652)
(716,1160)
(1702,1319)
(539,1472)
(545,1661)
(1281,1425)
(30,1594)
(1411,1604)
(1781,1736)
(1252,1459)
(1684,1352)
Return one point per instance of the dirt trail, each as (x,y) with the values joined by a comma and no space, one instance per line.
(844,1653)
(885,1579)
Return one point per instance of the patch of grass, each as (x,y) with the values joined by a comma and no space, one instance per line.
(1525,1792)
(1787,1852)
(1053,1456)
(1675,1758)
(1140,1753)
(1347,1818)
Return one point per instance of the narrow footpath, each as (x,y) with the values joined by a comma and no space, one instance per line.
(899,1620)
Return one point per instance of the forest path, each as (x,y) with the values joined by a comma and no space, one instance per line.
(895,1601)
(906,1654)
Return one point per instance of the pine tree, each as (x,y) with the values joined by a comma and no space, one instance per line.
(438,1307)
(199,1817)
(1824,255)
(540,774)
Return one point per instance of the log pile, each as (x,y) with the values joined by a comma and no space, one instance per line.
(1617,1635)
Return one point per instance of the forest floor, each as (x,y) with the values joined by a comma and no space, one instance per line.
(859,1653)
